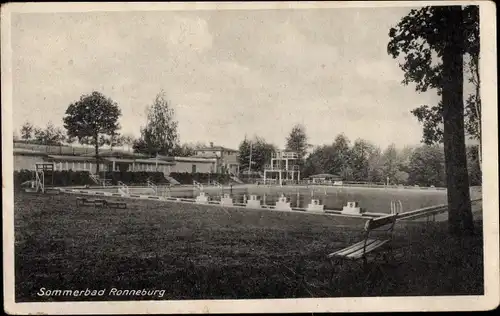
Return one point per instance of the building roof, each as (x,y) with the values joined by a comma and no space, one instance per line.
(195,159)
(117,154)
(28,152)
(207,155)
(70,158)
(216,148)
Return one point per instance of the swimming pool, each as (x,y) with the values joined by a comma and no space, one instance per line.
(376,200)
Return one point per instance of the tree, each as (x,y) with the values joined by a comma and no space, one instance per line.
(312,165)
(375,166)
(261,152)
(159,136)
(427,166)
(473,165)
(340,163)
(51,135)
(185,150)
(27,131)
(297,142)
(390,163)
(115,140)
(90,118)
(433,41)
(128,140)
(360,154)
(431,116)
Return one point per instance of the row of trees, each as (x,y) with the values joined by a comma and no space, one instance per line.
(361,161)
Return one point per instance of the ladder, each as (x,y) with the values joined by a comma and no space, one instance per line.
(172,180)
(198,185)
(153,186)
(97,179)
(39,181)
(41,170)
(235,178)
(123,188)
(396,207)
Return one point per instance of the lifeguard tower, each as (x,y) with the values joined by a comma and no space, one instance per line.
(44,177)
(283,167)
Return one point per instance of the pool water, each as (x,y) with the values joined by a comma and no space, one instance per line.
(377,200)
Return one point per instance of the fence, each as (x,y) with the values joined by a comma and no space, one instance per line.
(59,149)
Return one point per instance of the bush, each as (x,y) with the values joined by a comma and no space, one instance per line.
(58,178)
(136,177)
(188,178)
(77,178)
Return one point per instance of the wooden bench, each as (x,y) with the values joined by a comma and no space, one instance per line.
(99,202)
(90,202)
(116,204)
(376,241)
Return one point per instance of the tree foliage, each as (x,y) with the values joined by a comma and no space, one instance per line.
(297,142)
(423,50)
(260,151)
(50,135)
(360,155)
(433,42)
(159,136)
(185,150)
(93,119)
(27,131)
(426,166)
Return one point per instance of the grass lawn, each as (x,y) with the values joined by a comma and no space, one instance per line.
(202,252)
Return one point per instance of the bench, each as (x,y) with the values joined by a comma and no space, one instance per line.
(116,204)
(376,241)
(89,202)
(99,202)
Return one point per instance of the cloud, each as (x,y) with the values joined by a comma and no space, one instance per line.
(191,33)
(227,73)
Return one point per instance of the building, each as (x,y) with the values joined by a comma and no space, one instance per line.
(114,161)
(283,167)
(194,165)
(227,158)
(26,159)
(324,178)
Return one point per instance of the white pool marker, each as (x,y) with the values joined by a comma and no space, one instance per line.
(315,206)
(253,202)
(352,208)
(282,204)
(202,198)
(226,200)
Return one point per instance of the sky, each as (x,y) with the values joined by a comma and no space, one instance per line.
(226,73)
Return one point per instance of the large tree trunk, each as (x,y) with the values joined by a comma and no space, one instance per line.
(97,162)
(459,206)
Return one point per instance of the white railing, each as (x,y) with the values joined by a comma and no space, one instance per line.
(285,155)
(153,186)
(39,181)
(198,185)
(428,211)
(236,179)
(123,187)
(396,207)
(95,178)
(272,167)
